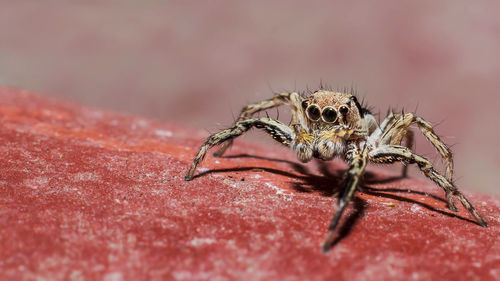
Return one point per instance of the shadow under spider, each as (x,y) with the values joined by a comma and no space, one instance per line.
(382,193)
(326,184)
(359,207)
(329,183)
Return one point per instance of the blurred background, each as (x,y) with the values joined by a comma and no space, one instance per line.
(198,62)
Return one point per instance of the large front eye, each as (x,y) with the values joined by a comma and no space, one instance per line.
(313,112)
(329,114)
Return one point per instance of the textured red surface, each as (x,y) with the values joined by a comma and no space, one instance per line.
(89,194)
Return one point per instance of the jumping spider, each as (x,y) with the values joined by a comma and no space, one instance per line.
(328,124)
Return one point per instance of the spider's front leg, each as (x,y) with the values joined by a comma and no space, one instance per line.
(357,163)
(279,131)
(409,136)
(248,111)
(397,127)
(392,153)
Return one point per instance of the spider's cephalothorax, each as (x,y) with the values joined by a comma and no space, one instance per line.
(327,124)
(330,120)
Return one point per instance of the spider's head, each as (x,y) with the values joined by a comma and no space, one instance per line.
(328,109)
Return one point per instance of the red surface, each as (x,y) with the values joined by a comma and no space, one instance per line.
(89,194)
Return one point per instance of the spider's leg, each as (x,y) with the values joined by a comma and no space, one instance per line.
(448,191)
(279,131)
(409,136)
(249,110)
(384,126)
(395,133)
(393,153)
(426,129)
(358,160)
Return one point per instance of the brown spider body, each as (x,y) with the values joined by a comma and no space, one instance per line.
(325,139)
(330,124)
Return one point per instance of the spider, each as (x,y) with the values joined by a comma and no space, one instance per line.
(329,124)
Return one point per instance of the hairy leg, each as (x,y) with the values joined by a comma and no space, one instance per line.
(409,137)
(249,110)
(279,131)
(399,127)
(392,153)
(357,164)
(384,125)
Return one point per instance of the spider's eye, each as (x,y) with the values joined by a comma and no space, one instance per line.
(305,103)
(343,110)
(313,112)
(329,114)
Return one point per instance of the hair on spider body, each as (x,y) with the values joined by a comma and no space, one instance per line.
(330,123)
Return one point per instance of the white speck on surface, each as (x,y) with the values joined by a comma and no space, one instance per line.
(182,275)
(131,239)
(415,208)
(140,124)
(280,192)
(217,162)
(495,273)
(201,241)
(37,182)
(86,176)
(202,169)
(164,133)
(256,176)
(113,276)
(76,275)
(192,275)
